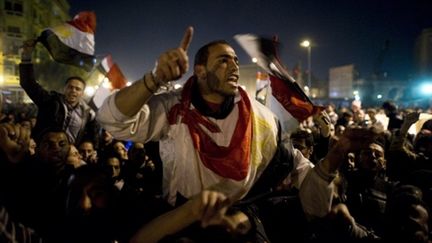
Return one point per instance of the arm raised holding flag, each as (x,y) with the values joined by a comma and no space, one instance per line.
(67,110)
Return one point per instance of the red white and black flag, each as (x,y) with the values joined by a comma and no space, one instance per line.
(112,71)
(73,41)
(114,80)
(283,86)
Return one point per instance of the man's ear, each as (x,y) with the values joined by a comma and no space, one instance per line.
(200,72)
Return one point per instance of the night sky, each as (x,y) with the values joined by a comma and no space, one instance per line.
(135,32)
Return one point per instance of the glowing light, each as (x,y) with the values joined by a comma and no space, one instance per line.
(106,83)
(306,88)
(426,88)
(379,96)
(177,86)
(305,43)
(254,60)
(89,91)
(128,83)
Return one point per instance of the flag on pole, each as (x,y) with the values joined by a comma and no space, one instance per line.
(73,41)
(106,64)
(112,71)
(114,80)
(283,87)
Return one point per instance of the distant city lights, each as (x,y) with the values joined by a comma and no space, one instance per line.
(356,95)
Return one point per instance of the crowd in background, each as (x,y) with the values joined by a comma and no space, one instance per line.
(215,165)
(104,190)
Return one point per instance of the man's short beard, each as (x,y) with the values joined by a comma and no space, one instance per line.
(214,85)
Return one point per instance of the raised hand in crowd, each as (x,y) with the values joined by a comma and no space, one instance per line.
(27,49)
(14,141)
(170,66)
(409,119)
(324,123)
(352,140)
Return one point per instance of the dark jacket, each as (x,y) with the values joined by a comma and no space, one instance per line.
(51,108)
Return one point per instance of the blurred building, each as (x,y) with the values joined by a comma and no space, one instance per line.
(249,78)
(341,81)
(423,53)
(21,20)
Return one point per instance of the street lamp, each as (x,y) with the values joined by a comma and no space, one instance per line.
(307,45)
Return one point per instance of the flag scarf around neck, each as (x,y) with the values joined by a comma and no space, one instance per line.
(253,143)
(73,41)
(229,162)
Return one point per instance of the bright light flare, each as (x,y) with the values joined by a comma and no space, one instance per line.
(89,91)
(426,89)
(305,43)
(106,83)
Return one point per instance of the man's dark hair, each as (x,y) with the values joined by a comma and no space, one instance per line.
(302,134)
(202,55)
(77,78)
(390,106)
(42,134)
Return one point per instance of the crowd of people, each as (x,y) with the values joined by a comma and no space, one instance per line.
(206,163)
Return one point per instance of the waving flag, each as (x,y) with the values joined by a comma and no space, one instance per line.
(284,88)
(72,42)
(115,77)
(112,71)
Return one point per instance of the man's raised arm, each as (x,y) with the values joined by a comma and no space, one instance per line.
(171,65)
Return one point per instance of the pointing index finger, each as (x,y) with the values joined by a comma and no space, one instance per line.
(187,38)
